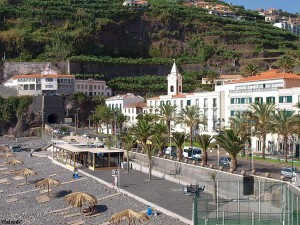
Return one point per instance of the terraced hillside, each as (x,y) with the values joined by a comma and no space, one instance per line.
(90,30)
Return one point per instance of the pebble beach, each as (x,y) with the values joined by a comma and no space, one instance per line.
(25,204)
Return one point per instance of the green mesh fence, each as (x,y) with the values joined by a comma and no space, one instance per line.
(247,203)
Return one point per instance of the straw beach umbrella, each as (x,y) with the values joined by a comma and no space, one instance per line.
(130,215)
(7,155)
(26,172)
(4,148)
(14,162)
(47,183)
(78,199)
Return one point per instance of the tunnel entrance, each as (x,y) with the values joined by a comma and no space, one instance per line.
(52,118)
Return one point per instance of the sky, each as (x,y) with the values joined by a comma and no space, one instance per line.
(292,6)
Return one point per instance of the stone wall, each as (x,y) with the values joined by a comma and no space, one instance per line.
(14,68)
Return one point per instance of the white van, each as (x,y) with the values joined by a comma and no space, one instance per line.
(194,153)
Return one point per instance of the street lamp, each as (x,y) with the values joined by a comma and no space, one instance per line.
(115,127)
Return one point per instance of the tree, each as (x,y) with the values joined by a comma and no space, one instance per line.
(103,114)
(262,115)
(98,100)
(167,113)
(159,139)
(204,141)
(79,97)
(191,117)
(143,132)
(128,143)
(282,123)
(232,144)
(250,70)
(179,139)
(287,63)
(213,176)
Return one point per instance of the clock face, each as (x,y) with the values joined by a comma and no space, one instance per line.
(172,77)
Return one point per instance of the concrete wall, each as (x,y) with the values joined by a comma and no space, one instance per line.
(229,184)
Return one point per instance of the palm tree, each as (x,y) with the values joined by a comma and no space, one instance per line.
(287,63)
(232,144)
(213,176)
(103,114)
(251,70)
(282,123)
(47,183)
(128,143)
(204,141)
(131,216)
(26,172)
(262,115)
(143,131)
(179,139)
(191,117)
(167,113)
(159,141)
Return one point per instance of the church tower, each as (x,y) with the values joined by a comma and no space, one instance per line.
(174,81)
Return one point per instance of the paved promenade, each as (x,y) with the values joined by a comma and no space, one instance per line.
(161,192)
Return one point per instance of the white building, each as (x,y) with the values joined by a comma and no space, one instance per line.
(48,83)
(121,101)
(288,25)
(131,111)
(136,3)
(232,98)
(91,87)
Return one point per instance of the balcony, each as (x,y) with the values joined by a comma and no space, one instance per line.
(255,90)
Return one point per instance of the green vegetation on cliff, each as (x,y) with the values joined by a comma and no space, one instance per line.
(105,31)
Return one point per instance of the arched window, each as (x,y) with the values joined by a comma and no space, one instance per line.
(172,88)
(168,102)
(179,88)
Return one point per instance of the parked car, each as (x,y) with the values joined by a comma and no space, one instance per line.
(288,172)
(170,150)
(85,135)
(194,153)
(224,161)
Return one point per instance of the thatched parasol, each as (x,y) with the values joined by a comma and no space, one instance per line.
(14,162)
(78,199)
(4,148)
(131,216)
(7,155)
(26,172)
(47,183)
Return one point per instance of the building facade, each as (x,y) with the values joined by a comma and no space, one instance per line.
(91,87)
(233,98)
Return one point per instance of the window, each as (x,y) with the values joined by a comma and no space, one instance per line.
(258,100)
(285,99)
(172,88)
(78,86)
(197,102)
(243,100)
(205,113)
(188,102)
(38,87)
(49,86)
(205,102)
(82,86)
(168,102)
(232,100)
(179,88)
(31,86)
(232,113)
(49,79)
(270,99)
(95,86)
(181,103)
(162,103)
(214,102)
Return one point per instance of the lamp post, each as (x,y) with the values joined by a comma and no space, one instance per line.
(75,123)
(115,128)
(77,117)
(93,118)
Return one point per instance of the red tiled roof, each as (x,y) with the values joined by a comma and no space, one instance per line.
(179,96)
(43,76)
(269,75)
(154,98)
(136,105)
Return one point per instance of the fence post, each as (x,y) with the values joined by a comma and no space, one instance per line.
(223,218)
(259,195)
(297,201)
(252,219)
(217,200)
